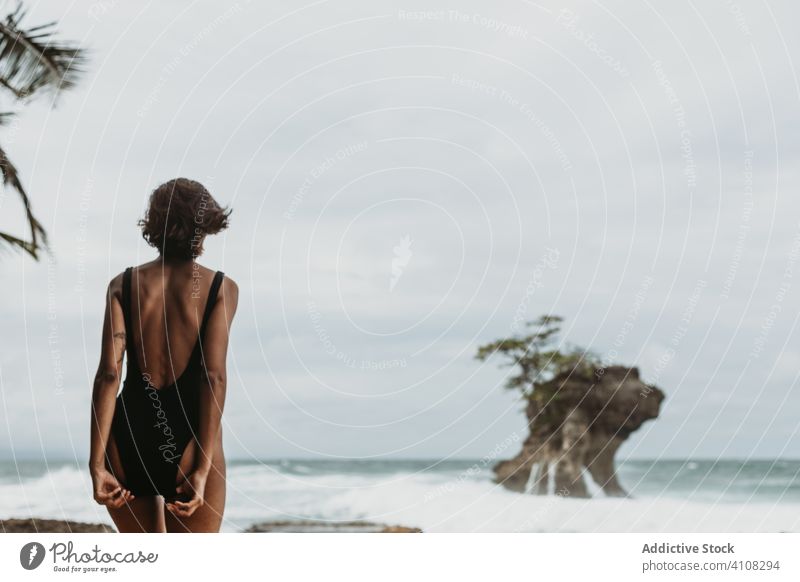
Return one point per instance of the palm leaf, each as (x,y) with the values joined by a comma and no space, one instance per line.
(16,242)
(37,232)
(31,59)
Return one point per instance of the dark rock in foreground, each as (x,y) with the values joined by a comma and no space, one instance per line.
(312,526)
(34,525)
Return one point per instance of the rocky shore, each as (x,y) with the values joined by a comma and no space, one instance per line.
(34,525)
(311,526)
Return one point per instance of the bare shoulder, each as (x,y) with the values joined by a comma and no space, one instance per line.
(229,295)
(229,289)
(115,287)
(202,271)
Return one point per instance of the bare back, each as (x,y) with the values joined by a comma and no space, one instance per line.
(167,306)
(157,460)
(170,445)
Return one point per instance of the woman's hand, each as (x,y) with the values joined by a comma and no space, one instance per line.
(108,491)
(192,487)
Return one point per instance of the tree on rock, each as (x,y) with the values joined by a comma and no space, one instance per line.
(579,412)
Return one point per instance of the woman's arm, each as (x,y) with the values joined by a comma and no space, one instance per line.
(213,387)
(107,490)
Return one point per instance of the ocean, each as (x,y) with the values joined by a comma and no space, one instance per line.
(454,496)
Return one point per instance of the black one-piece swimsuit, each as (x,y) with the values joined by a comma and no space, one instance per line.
(152,426)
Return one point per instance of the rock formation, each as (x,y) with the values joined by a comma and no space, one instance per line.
(578,422)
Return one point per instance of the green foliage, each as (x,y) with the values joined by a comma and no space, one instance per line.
(31,61)
(538,356)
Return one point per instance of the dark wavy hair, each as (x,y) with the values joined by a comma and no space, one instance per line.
(180,214)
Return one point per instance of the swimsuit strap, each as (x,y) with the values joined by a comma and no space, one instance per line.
(126,305)
(127,301)
(130,348)
(212,300)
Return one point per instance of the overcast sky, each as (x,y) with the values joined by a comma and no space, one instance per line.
(406,186)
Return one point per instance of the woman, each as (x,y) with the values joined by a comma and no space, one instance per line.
(156,448)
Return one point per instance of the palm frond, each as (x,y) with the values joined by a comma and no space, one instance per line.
(31,59)
(37,233)
(16,242)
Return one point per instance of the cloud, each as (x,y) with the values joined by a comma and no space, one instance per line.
(482,143)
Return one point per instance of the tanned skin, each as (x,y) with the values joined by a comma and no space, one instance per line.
(167,297)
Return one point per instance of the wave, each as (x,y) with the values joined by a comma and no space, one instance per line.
(447,500)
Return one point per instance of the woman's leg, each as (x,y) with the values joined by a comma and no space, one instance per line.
(143,514)
(208,517)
